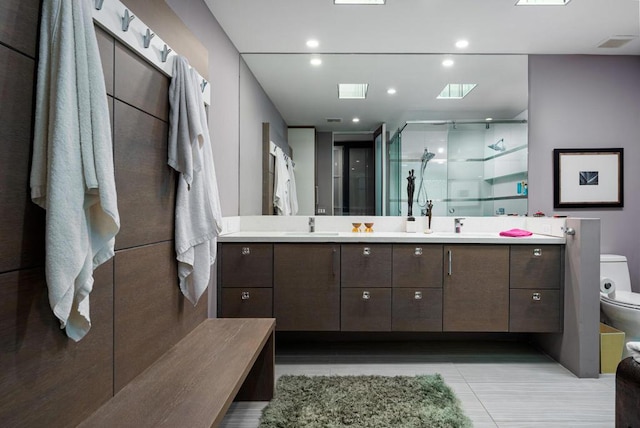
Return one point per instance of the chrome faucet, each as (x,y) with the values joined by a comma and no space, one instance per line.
(312,224)
(458,224)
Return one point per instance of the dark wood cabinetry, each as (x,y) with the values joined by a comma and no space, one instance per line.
(366,265)
(245,276)
(476,288)
(366,309)
(394,287)
(306,287)
(535,301)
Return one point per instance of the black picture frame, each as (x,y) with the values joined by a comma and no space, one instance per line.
(588,178)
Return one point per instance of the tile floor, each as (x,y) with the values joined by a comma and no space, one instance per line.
(500,384)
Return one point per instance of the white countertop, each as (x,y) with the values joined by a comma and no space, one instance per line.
(388,237)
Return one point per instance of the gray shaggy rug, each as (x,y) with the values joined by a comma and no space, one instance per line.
(363,401)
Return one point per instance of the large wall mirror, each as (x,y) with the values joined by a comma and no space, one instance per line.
(466,143)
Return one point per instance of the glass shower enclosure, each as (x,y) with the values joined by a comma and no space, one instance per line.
(465,168)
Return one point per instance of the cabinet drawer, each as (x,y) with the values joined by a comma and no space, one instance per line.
(417,265)
(366,265)
(417,309)
(246,303)
(535,266)
(366,309)
(535,311)
(246,265)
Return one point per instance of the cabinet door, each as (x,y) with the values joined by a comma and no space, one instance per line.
(417,265)
(246,303)
(366,309)
(246,265)
(306,287)
(536,266)
(535,311)
(366,265)
(417,309)
(476,288)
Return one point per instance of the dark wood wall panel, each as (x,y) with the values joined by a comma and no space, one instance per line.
(22,224)
(151,314)
(144,181)
(19,25)
(139,84)
(106,45)
(46,378)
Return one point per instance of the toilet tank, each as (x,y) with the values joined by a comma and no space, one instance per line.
(615,267)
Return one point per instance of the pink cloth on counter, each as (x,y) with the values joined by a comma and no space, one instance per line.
(516,233)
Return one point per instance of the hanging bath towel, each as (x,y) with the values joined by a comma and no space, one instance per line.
(281,201)
(198,213)
(293,192)
(72,166)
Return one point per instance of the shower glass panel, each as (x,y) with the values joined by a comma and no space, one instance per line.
(395,180)
(466,169)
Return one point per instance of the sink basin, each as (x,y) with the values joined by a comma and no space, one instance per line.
(311,233)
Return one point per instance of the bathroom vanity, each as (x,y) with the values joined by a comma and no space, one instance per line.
(400,282)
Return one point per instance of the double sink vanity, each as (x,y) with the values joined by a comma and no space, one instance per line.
(331,280)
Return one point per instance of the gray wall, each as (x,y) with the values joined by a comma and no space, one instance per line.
(255,108)
(324,171)
(578,101)
(236,143)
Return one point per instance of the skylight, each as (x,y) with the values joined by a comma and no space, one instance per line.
(456,91)
(542,2)
(358,1)
(352,91)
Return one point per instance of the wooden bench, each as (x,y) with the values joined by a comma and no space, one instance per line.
(194,382)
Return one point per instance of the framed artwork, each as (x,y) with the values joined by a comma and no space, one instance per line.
(588,178)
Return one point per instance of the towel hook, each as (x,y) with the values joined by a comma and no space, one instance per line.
(165,53)
(203,85)
(126,20)
(99,4)
(147,38)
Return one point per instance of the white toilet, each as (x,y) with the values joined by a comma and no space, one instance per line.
(619,305)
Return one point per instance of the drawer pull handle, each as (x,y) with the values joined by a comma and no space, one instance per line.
(246,251)
(537,252)
(366,295)
(418,251)
(366,251)
(417,295)
(245,295)
(536,297)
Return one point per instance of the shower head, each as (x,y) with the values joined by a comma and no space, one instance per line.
(498,146)
(427,155)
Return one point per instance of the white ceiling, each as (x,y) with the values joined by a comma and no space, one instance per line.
(402,44)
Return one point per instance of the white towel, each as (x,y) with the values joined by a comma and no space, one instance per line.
(293,192)
(72,166)
(281,179)
(198,213)
(634,349)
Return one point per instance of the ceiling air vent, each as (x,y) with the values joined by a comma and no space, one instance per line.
(616,41)
(334,119)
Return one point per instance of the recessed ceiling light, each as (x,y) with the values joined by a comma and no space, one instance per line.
(447,62)
(352,91)
(542,2)
(461,44)
(358,1)
(456,91)
(391,91)
(315,61)
(313,43)
(355,120)
(489,119)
